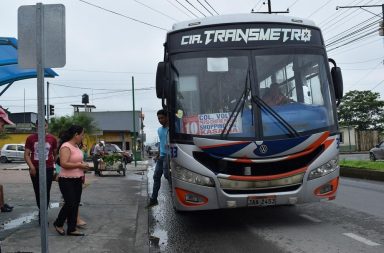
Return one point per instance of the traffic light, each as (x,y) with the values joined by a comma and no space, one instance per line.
(381,29)
(51,110)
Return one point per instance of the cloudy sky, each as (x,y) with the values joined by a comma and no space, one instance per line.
(107,47)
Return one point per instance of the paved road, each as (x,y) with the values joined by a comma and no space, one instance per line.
(355,156)
(354,222)
(21,165)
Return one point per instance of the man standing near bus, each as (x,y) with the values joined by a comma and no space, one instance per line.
(161,159)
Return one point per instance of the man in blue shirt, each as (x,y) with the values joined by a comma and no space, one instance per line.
(161,159)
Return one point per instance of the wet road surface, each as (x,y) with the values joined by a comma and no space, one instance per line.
(354,222)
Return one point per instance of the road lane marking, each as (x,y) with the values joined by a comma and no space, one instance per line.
(361,239)
(313,219)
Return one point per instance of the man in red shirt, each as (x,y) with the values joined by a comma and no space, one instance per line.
(31,156)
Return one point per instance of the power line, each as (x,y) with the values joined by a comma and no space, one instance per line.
(364,36)
(211,7)
(149,7)
(92,88)
(254,7)
(359,47)
(194,7)
(178,8)
(122,15)
(382,81)
(187,8)
(319,8)
(354,33)
(344,20)
(292,4)
(357,62)
(357,69)
(341,18)
(336,14)
(205,7)
(349,29)
(107,71)
(69,96)
(369,72)
(362,7)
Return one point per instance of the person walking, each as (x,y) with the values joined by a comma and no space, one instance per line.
(31,157)
(161,159)
(70,182)
(4,120)
(98,153)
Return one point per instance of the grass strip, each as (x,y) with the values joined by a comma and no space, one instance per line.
(366,165)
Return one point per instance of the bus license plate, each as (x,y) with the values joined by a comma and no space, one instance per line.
(262,201)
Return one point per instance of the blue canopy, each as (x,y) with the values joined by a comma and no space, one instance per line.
(9,67)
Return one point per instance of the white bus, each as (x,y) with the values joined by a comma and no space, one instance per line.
(252,109)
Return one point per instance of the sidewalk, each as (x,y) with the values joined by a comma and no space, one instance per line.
(113,206)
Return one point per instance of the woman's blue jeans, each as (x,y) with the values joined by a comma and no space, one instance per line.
(160,169)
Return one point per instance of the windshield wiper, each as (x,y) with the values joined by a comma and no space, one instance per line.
(259,102)
(238,108)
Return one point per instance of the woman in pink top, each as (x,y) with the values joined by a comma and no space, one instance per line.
(72,169)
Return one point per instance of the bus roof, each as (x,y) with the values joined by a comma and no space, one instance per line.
(240,18)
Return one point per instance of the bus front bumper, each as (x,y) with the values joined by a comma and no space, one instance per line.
(192,197)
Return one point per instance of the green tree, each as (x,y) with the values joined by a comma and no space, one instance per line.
(362,109)
(58,125)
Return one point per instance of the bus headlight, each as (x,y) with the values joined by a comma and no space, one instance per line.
(324,169)
(191,177)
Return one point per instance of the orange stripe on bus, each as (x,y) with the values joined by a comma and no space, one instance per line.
(319,141)
(328,143)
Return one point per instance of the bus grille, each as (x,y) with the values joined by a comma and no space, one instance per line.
(220,166)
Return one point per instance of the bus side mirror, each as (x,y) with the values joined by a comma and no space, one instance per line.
(162,79)
(337,79)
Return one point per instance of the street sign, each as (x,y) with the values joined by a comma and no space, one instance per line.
(41,30)
(53,29)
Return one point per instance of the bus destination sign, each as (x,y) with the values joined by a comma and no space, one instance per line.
(248,36)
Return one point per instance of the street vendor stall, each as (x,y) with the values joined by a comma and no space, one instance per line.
(112,162)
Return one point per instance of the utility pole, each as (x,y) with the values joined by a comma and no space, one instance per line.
(142,132)
(270,9)
(134,122)
(47,108)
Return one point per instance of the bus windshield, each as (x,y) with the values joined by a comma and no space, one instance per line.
(219,90)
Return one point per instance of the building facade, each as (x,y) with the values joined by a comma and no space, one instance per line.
(117,127)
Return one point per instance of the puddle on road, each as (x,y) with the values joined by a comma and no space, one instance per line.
(159,238)
(25,219)
(20,221)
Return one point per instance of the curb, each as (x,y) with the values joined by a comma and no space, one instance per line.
(362,173)
(141,244)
